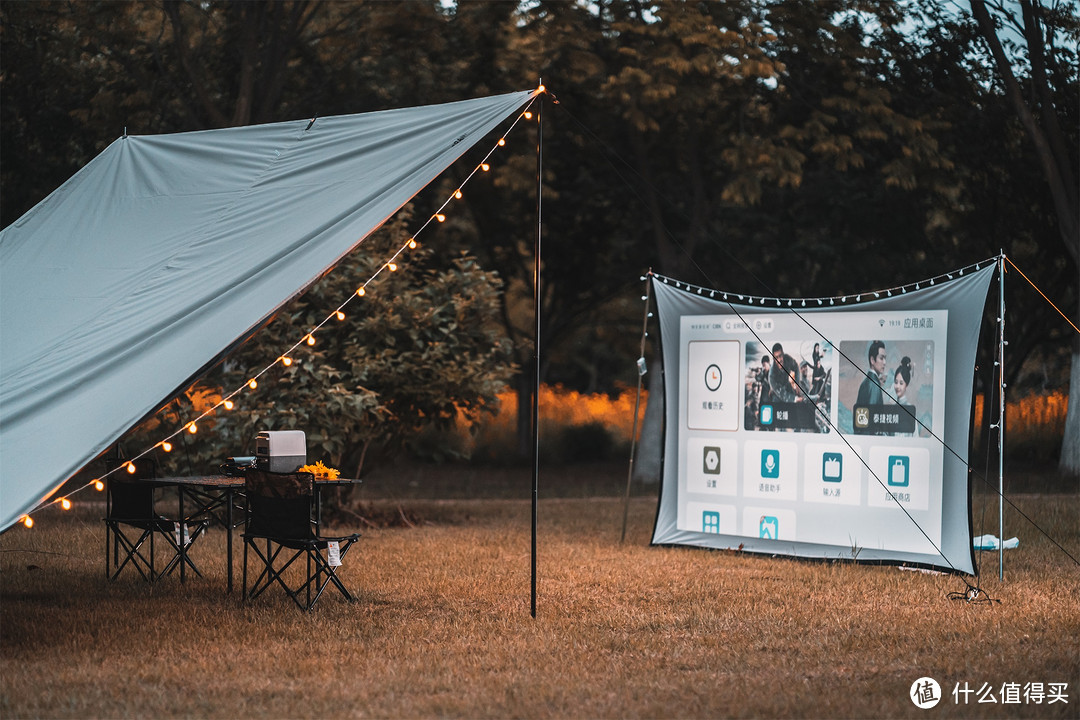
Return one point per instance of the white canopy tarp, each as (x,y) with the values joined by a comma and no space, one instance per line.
(164,250)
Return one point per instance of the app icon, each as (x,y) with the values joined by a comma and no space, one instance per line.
(862,417)
(770,463)
(710,521)
(713,377)
(766,414)
(832,467)
(898,470)
(768,527)
(712,461)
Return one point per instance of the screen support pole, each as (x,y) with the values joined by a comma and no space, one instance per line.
(637,403)
(1001,417)
(536,342)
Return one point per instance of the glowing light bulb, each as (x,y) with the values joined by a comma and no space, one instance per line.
(440,217)
(392,267)
(192,428)
(310,339)
(65,503)
(412,243)
(253,383)
(131,468)
(229,404)
(98,485)
(541,89)
(340,315)
(528,115)
(27,521)
(485,167)
(286,360)
(166,446)
(502,141)
(457,195)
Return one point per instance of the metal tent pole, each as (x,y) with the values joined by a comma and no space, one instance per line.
(637,404)
(1001,417)
(536,343)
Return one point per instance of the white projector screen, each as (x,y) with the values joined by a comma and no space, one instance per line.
(777,441)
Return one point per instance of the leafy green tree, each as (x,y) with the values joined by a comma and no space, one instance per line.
(421,349)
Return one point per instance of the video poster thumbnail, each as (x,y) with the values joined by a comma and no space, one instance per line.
(788,386)
(892,392)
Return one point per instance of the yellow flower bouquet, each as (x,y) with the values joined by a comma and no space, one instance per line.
(321,472)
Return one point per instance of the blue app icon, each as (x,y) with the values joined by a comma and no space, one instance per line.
(769,527)
(710,521)
(832,467)
(766,415)
(770,463)
(898,470)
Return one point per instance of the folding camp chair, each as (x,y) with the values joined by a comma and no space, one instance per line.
(132,523)
(279,530)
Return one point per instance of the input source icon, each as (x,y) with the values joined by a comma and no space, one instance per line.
(832,467)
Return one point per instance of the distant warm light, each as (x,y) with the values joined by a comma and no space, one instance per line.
(440,217)
(485,167)
(253,383)
(166,446)
(131,468)
(65,503)
(27,521)
(412,243)
(192,428)
(392,267)
(98,485)
(310,339)
(457,195)
(340,315)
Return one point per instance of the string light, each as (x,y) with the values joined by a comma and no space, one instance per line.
(361,291)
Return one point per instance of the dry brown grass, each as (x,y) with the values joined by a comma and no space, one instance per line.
(441,627)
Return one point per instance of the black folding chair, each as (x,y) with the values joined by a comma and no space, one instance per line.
(279,529)
(132,523)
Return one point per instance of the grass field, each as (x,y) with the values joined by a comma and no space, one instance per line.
(441,626)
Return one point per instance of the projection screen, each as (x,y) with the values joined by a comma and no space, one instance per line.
(778,439)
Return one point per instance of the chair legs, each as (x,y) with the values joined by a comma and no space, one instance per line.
(275,559)
(116,540)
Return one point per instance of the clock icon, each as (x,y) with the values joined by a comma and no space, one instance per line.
(713,377)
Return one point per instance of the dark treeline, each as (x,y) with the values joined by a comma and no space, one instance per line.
(772,147)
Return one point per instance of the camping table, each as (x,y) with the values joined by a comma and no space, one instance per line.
(210,492)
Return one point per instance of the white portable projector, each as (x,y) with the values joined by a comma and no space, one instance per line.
(280,451)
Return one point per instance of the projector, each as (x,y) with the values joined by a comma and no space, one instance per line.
(280,451)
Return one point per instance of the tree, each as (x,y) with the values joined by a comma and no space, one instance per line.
(421,349)
(1045,105)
